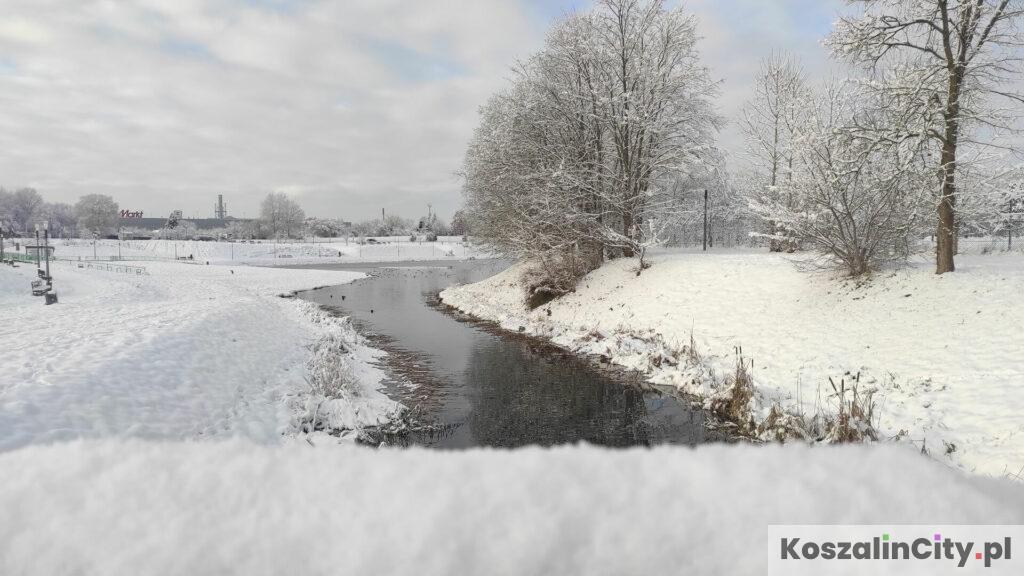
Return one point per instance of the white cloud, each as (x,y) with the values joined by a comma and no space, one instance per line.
(353,105)
(23,30)
(166,104)
(739,33)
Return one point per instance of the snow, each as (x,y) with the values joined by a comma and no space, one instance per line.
(184,351)
(268,252)
(944,352)
(147,426)
(138,507)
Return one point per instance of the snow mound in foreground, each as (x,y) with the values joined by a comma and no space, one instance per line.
(136,507)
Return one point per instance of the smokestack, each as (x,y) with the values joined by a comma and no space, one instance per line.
(220,210)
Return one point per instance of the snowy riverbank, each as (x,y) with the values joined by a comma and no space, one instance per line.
(943,352)
(182,352)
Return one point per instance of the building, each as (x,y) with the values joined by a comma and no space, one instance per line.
(33,251)
(199,223)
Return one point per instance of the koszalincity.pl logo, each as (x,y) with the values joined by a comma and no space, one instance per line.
(885,547)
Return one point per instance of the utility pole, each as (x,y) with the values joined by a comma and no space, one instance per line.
(1009,226)
(38,267)
(46,237)
(705,219)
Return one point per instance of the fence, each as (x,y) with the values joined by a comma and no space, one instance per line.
(19,257)
(85,264)
(111,267)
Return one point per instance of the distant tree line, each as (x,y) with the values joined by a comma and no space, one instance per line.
(281,217)
(22,209)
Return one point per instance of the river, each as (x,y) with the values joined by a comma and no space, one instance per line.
(483,387)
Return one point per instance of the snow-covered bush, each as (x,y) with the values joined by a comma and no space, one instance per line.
(854,199)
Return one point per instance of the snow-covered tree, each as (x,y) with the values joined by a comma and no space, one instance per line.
(6,222)
(20,210)
(60,218)
(324,227)
(459,226)
(584,156)
(769,121)
(242,229)
(852,198)
(391,225)
(97,213)
(946,65)
(281,216)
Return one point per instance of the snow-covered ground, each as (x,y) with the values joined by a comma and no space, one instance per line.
(113,507)
(145,426)
(946,353)
(266,252)
(184,351)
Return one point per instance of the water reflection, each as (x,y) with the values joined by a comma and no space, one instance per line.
(491,390)
(525,398)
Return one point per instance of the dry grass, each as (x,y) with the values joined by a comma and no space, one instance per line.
(735,405)
(556,273)
(330,377)
(853,419)
(849,416)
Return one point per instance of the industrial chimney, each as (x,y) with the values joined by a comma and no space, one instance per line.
(220,210)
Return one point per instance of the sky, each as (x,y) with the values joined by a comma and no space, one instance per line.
(349,106)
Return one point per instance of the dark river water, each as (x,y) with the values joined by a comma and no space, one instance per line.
(485,388)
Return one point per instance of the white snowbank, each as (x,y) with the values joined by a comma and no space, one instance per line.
(135,507)
(187,351)
(944,352)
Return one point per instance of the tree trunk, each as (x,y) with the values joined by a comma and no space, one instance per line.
(944,242)
(944,236)
(627,231)
(945,247)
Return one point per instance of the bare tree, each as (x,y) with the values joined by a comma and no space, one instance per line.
(60,218)
(6,221)
(282,216)
(21,209)
(769,121)
(583,156)
(852,198)
(953,60)
(97,213)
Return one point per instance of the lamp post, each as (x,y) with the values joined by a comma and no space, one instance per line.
(38,267)
(705,219)
(46,240)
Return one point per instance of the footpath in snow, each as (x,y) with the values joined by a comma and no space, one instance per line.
(944,353)
(186,351)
